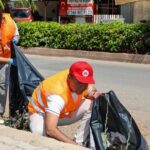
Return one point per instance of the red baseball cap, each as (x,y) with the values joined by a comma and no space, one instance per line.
(82,71)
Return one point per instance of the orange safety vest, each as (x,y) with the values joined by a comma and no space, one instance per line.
(7,34)
(56,84)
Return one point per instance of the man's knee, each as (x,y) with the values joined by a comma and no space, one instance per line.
(37,130)
(36,124)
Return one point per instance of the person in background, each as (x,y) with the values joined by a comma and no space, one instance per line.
(63,99)
(8,34)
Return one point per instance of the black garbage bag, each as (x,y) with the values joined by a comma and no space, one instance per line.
(112,126)
(24,78)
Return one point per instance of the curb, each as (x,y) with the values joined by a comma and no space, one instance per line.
(121,57)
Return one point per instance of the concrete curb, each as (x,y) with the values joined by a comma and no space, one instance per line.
(122,57)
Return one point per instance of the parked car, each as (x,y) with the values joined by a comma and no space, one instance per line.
(22,14)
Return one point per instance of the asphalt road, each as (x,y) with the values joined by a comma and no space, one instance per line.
(131,83)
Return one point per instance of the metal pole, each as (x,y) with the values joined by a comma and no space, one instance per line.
(45,13)
(59,19)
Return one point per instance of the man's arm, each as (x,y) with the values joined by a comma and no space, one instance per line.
(51,121)
(4,60)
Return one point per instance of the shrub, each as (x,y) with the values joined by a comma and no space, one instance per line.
(112,37)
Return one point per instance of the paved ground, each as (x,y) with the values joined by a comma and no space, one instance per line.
(12,139)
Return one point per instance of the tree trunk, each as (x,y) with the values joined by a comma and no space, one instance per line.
(45,13)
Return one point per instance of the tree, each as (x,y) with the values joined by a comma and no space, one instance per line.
(32,5)
(45,9)
(2,4)
(31,2)
(26,3)
(21,3)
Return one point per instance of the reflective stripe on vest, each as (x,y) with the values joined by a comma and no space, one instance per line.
(35,106)
(39,97)
(40,101)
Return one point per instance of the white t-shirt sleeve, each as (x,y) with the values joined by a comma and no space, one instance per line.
(16,30)
(55,104)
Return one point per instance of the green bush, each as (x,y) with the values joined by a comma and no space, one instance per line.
(112,37)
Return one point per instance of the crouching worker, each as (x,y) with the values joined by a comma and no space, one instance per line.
(63,99)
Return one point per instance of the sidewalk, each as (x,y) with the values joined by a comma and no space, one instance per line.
(122,57)
(12,139)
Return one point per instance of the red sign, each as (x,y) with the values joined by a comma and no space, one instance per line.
(80,7)
(62,7)
(76,7)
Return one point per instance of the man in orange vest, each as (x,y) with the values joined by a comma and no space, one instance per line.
(8,33)
(63,99)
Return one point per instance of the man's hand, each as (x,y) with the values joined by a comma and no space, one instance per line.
(15,40)
(12,61)
(93,93)
(52,130)
(97,94)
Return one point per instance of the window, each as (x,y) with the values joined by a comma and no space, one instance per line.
(108,7)
(21,13)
